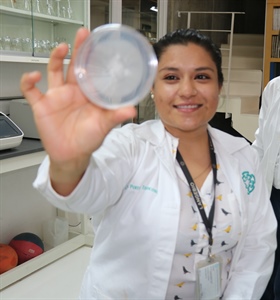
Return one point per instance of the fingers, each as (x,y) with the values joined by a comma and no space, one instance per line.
(55,66)
(120,115)
(28,87)
(81,36)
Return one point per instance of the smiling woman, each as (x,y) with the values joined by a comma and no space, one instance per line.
(171,200)
(186,93)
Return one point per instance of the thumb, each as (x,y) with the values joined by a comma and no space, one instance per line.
(120,115)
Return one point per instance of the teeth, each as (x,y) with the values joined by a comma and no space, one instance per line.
(186,106)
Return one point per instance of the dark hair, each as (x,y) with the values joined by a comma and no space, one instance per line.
(185,36)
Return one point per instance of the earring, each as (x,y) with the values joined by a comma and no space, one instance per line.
(152,95)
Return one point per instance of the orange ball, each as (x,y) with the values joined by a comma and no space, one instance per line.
(8,258)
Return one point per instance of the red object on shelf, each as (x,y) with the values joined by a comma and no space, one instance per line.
(8,258)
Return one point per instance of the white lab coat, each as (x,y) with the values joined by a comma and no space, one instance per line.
(131,190)
(267,135)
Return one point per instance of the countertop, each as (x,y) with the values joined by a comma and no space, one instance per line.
(27,146)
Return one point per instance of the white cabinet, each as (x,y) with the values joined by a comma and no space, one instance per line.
(29,32)
(24,209)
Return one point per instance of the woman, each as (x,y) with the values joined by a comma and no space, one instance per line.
(173,199)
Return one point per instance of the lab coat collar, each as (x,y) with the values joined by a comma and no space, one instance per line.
(155,133)
(226,142)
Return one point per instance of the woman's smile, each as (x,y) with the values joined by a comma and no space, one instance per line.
(187,107)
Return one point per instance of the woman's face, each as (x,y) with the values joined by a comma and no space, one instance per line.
(186,88)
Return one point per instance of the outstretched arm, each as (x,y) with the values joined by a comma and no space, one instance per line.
(70,126)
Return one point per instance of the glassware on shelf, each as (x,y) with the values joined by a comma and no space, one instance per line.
(37,7)
(58,8)
(16,4)
(26,45)
(69,10)
(53,45)
(7,42)
(24,4)
(35,40)
(36,46)
(15,44)
(49,8)
(45,46)
(64,12)
(1,43)
(40,46)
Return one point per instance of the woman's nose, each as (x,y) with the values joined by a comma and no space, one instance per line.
(187,88)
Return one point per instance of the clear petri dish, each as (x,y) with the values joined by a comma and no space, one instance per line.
(115,66)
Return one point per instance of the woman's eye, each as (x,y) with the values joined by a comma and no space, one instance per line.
(171,77)
(202,76)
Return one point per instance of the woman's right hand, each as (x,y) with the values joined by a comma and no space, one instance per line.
(70,126)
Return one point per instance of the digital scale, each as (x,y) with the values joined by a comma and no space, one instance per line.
(10,134)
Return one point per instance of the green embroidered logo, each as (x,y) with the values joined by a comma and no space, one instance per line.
(249,181)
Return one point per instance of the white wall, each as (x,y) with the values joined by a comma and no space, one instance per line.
(22,208)
(10,75)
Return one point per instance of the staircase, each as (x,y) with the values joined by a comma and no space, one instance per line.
(242,98)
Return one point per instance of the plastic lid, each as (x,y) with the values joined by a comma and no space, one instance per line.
(116,66)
